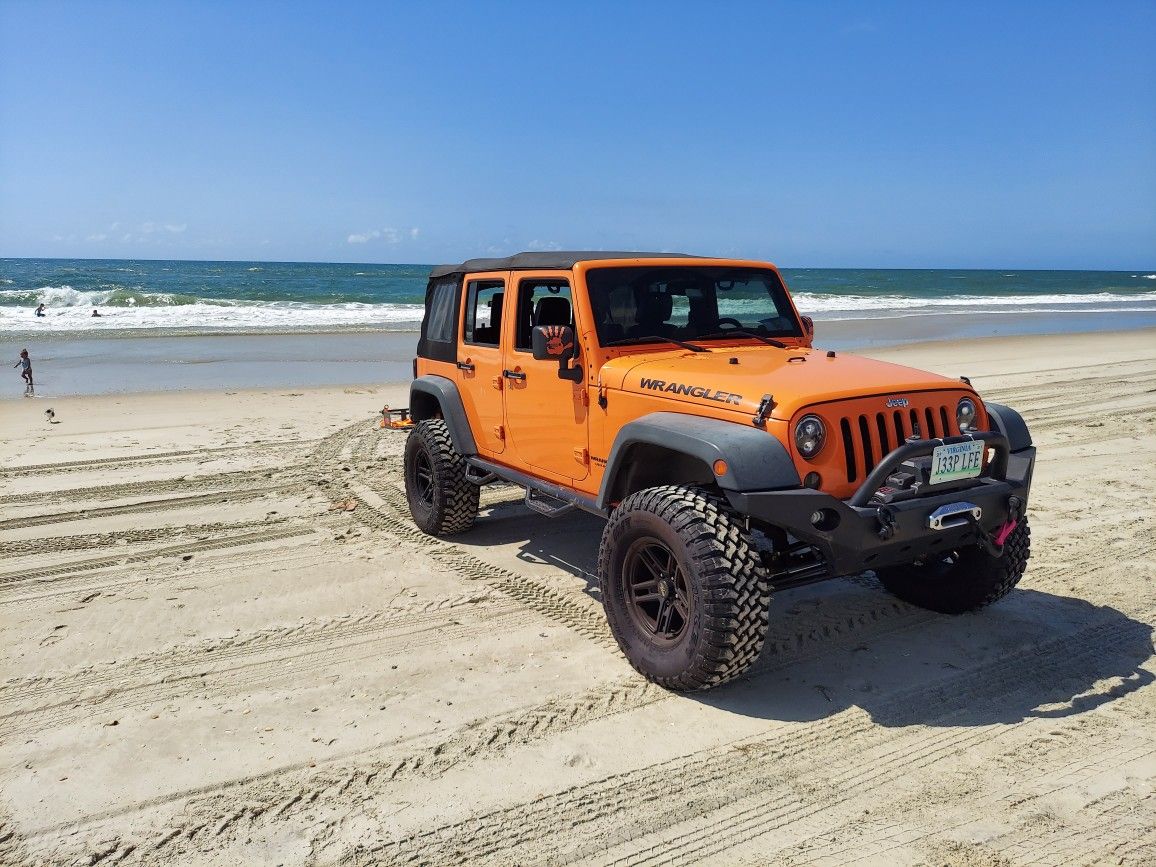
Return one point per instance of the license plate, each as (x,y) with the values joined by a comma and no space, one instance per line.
(957,461)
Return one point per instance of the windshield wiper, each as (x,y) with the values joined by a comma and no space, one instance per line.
(742,332)
(649,337)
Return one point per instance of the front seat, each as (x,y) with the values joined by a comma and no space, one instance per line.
(654,309)
(552,310)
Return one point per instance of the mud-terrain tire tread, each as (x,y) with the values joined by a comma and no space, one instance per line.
(455,506)
(976,581)
(736,588)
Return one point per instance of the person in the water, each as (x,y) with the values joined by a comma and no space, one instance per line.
(40,310)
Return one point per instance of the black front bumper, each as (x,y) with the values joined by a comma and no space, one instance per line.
(858,534)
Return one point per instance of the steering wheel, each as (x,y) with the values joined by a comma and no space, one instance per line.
(730,321)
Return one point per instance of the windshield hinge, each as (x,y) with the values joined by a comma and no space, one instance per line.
(765,407)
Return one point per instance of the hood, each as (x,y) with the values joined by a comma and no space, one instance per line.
(736,378)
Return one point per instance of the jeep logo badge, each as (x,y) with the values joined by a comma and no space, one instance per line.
(896,401)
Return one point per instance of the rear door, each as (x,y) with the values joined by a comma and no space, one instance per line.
(546,417)
(480,358)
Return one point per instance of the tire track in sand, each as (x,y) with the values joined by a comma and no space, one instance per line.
(86,541)
(238,479)
(148,506)
(849,751)
(283,796)
(146,458)
(235,662)
(20,576)
(1064,768)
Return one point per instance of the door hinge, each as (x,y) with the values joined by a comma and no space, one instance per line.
(585,397)
(499,432)
(582,456)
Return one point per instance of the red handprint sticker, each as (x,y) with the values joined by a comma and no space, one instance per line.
(554,336)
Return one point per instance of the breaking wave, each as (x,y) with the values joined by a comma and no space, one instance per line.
(69,309)
(823,304)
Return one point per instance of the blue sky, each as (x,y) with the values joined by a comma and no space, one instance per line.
(835,134)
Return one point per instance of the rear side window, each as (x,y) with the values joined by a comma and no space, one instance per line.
(440,323)
(439,329)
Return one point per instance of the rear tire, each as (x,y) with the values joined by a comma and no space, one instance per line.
(685,591)
(441,500)
(964,580)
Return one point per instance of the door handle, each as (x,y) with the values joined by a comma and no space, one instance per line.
(465,365)
(513,374)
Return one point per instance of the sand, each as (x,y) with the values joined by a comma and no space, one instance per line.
(205,664)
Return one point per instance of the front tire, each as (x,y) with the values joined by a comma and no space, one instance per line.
(963,580)
(684,588)
(441,499)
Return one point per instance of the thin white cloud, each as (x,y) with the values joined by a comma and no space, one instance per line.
(387,235)
(176,228)
(537,245)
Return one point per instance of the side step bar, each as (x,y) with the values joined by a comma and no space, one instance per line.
(543,497)
(546,505)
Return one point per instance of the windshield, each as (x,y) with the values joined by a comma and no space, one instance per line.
(688,302)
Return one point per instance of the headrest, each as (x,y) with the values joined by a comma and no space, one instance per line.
(552,310)
(656,307)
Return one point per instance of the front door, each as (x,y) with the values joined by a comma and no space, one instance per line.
(480,379)
(545,416)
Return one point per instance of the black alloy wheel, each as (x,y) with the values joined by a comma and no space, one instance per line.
(656,591)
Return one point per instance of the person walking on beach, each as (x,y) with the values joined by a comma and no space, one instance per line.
(26,363)
(40,310)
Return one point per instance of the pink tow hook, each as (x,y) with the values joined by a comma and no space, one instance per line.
(1006,530)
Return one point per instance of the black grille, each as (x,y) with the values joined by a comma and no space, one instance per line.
(868,438)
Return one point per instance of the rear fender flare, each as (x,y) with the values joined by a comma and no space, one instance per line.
(755,460)
(431,396)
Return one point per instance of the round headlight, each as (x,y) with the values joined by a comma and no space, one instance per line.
(809,435)
(965,414)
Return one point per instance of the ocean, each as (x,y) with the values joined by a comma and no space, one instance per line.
(211,325)
(139,297)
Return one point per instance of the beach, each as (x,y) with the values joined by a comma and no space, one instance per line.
(205,662)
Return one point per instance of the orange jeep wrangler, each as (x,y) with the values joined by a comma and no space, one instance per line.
(680,397)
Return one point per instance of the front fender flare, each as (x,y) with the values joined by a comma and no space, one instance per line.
(755,459)
(1011,424)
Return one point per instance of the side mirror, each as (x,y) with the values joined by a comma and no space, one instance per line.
(809,328)
(556,343)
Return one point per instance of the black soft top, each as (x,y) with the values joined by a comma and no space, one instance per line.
(552,259)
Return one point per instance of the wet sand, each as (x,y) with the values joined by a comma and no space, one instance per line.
(206,664)
(127,362)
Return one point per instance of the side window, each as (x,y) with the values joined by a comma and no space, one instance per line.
(542,301)
(440,323)
(484,312)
